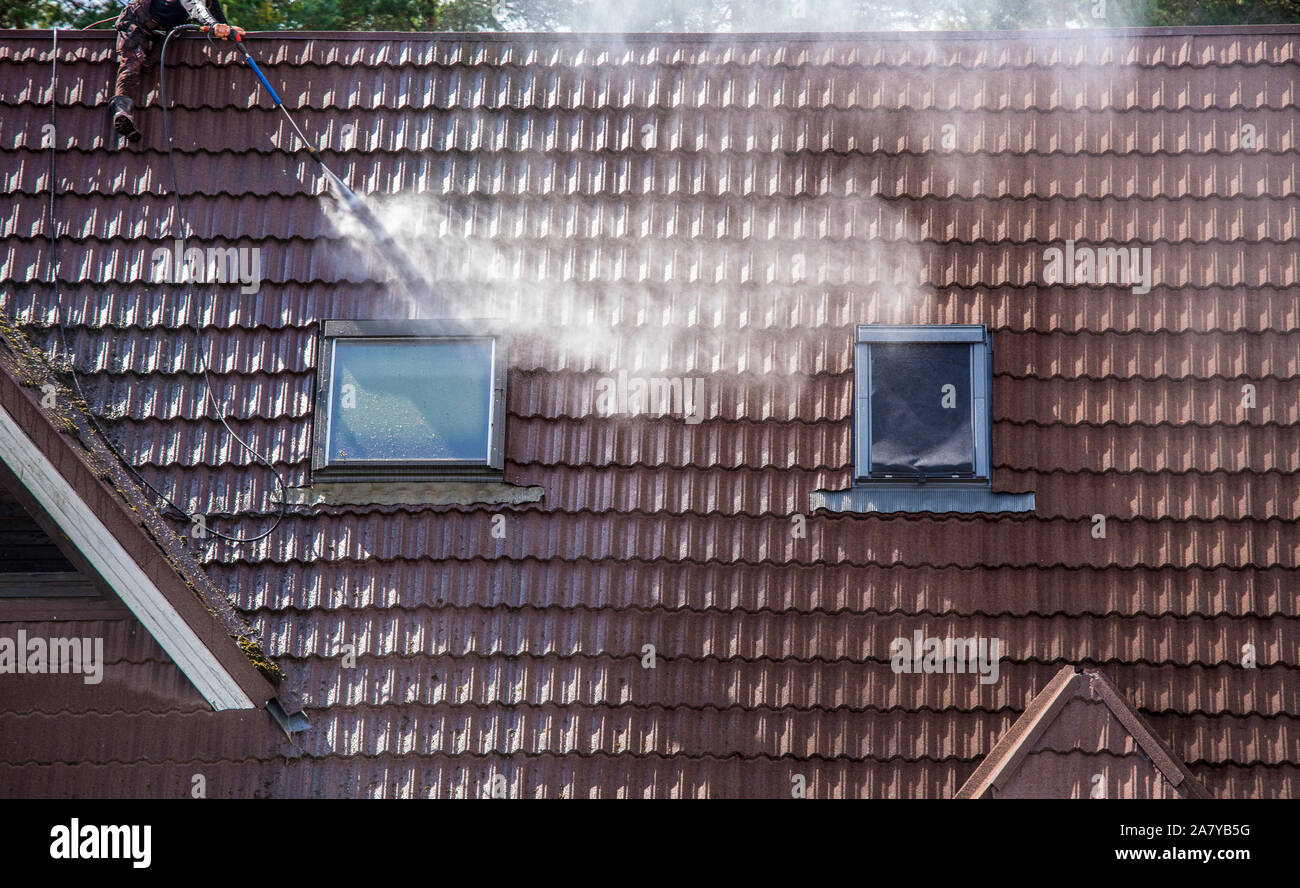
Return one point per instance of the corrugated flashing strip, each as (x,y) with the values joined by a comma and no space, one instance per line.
(921,498)
(290,723)
(446,492)
(112,562)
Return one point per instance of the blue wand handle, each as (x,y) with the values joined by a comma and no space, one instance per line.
(275,97)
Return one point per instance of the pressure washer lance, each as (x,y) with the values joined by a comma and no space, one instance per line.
(415,284)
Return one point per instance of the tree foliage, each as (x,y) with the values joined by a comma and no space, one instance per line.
(268,15)
(683,15)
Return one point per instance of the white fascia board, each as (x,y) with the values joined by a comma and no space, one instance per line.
(115,565)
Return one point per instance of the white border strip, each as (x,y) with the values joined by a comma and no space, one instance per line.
(118,568)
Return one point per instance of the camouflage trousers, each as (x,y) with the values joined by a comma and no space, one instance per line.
(137,34)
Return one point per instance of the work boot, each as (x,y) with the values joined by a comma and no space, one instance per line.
(123,122)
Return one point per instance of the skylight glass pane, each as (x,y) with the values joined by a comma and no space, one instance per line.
(407,401)
(921,410)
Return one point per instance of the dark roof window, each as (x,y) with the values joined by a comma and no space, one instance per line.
(922,398)
(922,436)
(415,399)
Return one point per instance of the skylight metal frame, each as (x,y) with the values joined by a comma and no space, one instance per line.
(981,387)
(332,331)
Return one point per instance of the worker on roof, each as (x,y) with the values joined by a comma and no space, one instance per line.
(138,28)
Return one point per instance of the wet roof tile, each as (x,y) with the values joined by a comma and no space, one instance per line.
(727,208)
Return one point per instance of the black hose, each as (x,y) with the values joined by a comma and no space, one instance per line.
(71,363)
(54,291)
(201,343)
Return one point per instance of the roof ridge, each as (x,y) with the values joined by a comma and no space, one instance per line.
(58,461)
(778,39)
(1003,762)
(1164,758)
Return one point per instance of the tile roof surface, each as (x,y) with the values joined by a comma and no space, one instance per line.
(54,466)
(1079,737)
(730,207)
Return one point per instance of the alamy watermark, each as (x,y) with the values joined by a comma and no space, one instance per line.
(1129,266)
(36,655)
(650,395)
(180,264)
(973,655)
(86,841)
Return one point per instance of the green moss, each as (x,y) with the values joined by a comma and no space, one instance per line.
(258,657)
(71,417)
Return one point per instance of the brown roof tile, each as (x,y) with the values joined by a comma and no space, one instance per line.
(1079,738)
(522,657)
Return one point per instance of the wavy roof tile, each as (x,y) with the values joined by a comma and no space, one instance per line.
(727,206)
